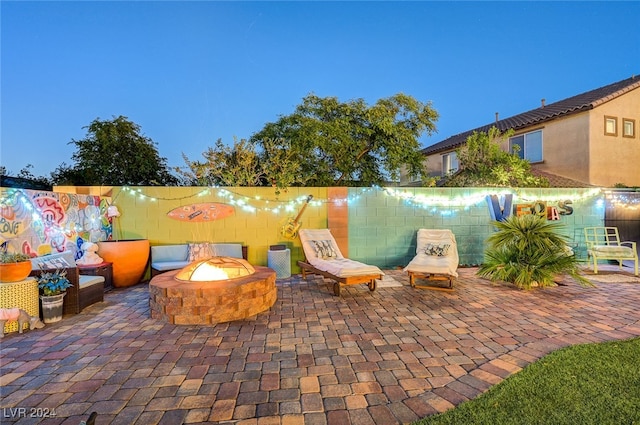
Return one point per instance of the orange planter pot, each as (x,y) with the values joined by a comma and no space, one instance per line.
(14,272)
(129,258)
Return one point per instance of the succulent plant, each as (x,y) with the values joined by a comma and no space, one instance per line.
(13,257)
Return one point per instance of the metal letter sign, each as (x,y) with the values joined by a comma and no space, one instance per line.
(499,208)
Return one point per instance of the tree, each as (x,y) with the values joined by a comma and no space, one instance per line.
(238,165)
(242,165)
(114,152)
(281,164)
(26,173)
(330,143)
(482,162)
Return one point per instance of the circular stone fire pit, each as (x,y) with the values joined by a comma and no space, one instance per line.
(201,293)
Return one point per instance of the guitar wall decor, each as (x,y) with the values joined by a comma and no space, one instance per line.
(291,227)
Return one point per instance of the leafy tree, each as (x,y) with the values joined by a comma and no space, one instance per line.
(26,173)
(114,152)
(331,143)
(482,162)
(237,165)
(66,175)
(527,251)
(243,165)
(281,164)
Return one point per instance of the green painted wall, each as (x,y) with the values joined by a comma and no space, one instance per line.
(383,223)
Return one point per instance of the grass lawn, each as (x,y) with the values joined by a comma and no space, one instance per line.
(583,384)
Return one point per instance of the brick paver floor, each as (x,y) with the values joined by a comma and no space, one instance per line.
(391,356)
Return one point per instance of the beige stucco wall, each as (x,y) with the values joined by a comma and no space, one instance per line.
(615,159)
(565,144)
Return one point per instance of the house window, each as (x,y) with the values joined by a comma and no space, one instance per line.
(610,126)
(628,127)
(449,163)
(530,145)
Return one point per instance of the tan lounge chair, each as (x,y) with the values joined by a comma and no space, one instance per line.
(323,257)
(436,259)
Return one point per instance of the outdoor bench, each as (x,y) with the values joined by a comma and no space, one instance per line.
(86,290)
(173,257)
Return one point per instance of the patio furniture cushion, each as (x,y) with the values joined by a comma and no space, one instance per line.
(169,253)
(324,249)
(336,264)
(344,267)
(226,250)
(86,280)
(616,251)
(439,250)
(173,257)
(199,251)
(165,266)
(437,264)
(436,258)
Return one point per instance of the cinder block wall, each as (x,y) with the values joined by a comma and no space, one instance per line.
(254,223)
(383,224)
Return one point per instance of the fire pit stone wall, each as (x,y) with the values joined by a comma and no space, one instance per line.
(208,303)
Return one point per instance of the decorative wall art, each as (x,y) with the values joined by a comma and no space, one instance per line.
(41,222)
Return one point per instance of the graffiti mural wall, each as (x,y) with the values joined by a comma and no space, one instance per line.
(39,223)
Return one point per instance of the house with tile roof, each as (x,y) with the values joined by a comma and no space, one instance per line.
(591,138)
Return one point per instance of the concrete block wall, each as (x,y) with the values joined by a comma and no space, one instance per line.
(144,215)
(381,224)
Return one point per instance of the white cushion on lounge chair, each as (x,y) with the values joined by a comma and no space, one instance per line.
(423,263)
(340,266)
(344,267)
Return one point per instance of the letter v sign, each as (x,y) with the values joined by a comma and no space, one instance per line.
(499,212)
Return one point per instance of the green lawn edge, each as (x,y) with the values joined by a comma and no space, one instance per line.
(583,384)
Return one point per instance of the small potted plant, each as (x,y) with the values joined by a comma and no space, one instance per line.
(14,266)
(53,287)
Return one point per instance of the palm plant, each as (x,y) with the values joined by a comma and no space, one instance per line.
(529,250)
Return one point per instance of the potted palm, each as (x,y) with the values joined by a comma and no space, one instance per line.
(14,266)
(53,287)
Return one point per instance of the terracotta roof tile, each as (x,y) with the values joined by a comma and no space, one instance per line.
(558,181)
(571,105)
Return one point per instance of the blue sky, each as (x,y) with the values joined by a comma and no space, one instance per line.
(190,73)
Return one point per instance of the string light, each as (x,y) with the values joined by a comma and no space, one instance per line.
(468,200)
(409,197)
(624,199)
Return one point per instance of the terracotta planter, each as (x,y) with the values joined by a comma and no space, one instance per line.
(14,272)
(129,258)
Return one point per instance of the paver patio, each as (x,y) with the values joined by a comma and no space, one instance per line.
(391,356)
